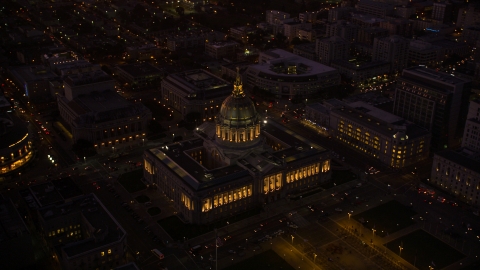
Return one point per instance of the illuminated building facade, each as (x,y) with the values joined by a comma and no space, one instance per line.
(237,163)
(374,132)
(457,172)
(96,113)
(16,148)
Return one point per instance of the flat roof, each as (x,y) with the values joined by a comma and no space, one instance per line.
(105,106)
(176,157)
(55,191)
(198,80)
(87,78)
(281,56)
(11,223)
(371,98)
(462,158)
(139,70)
(378,120)
(425,76)
(106,230)
(220,44)
(32,73)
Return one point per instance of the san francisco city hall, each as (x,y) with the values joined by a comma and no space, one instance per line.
(234,164)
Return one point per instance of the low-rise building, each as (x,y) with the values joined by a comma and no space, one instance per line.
(139,76)
(220,50)
(33,82)
(306,50)
(359,72)
(96,113)
(195,91)
(83,234)
(15,238)
(143,52)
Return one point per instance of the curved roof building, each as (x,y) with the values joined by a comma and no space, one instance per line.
(285,75)
(15,142)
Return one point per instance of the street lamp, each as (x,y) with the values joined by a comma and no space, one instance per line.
(349,214)
(400,247)
(143,142)
(292,239)
(373,231)
(314,257)
(85,160)
(113,149)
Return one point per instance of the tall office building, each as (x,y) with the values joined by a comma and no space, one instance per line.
(330,49)
(393,49)
(442,12)
(471,133)
(434,100)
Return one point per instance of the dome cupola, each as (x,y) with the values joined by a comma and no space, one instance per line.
(238,122)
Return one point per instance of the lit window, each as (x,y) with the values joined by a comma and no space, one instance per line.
(102,253)
(109,251)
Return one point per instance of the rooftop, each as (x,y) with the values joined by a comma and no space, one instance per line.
(281,58)
(87,78)
(359,65)
(104,228)
(371,98)
(462,157)
(220,44)
(55,192)
(11,223)
(378,120)
(176,157)
(195,175)
(108,105)
(140,70)
(193,81)
(430,77)
(32,73)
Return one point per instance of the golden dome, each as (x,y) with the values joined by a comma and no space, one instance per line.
(238,120)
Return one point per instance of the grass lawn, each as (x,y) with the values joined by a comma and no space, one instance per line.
(339,177)
(421,248)
(142,199)
(387,218)
(265,260)
(153,211)
(178,230)
(131,181)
